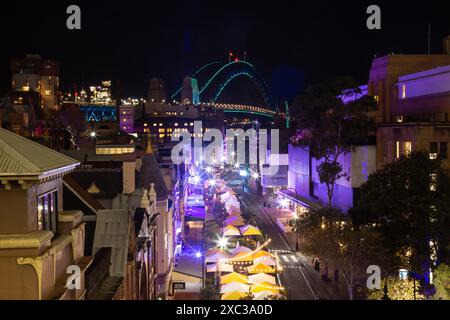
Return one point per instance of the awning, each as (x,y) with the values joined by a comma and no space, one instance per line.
(219,267)
(261,277)
(260,268)
(234,295)
(235,286)
(230,231)
(233,277)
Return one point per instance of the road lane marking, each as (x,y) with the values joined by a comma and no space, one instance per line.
(294,258)
(285,258)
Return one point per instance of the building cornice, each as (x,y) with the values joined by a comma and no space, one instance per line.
(33,239)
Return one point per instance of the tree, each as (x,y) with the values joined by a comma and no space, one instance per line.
(330,235)
(398,289)
(330,125)
(282,295)
(441,281)
(296,226)
(209,292)
(407,201)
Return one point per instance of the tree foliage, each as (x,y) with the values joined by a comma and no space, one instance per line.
(329,127)
(398,289)
(330,235)
(442,282)
(408,203)
(210,292)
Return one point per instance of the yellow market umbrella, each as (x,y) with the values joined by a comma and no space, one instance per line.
(264,287)
(250,230)
(267,260)
(233,277)
(262,253)
(234,295)
(240,248)
(261,278)
(242,256)
(230,231)
(260,268)
(219,267)
(234,286)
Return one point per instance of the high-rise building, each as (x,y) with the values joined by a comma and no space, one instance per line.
(35,74)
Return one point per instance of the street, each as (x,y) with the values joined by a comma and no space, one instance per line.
(302,282)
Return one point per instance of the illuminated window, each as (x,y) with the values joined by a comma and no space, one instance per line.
(160,124)
(399,119)
(407,147)
(154,124)
(376,98)
(433,150)
(47,218)
(176,124)
(433,182)
(403,91)
(397,149)
(191,124)
(145,124)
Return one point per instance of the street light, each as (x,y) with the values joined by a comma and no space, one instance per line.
(255,175)
(223,242)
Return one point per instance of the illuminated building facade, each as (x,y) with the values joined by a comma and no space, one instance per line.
(39,239)
(413,105)
(32,73)
(126,118)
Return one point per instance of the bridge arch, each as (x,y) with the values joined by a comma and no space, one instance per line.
(211,90)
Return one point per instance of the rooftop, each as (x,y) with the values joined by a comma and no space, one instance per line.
(22,157)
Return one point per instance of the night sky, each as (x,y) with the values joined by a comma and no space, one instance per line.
(292,43)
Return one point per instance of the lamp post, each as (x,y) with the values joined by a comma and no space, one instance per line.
(385,290)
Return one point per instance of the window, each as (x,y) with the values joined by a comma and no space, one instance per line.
(443,150)
(48,92)
(433,150)
(48,212)
(433,182)
(407,147)
(397,149)
(403,91)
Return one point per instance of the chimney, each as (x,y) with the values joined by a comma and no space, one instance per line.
(129,176)
(447,44)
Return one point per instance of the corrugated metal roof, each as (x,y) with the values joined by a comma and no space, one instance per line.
(111,231)
(21,156)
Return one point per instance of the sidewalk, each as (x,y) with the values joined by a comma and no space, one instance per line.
(336,290)
(188,269)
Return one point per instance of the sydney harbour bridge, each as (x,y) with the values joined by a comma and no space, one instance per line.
(208,90)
